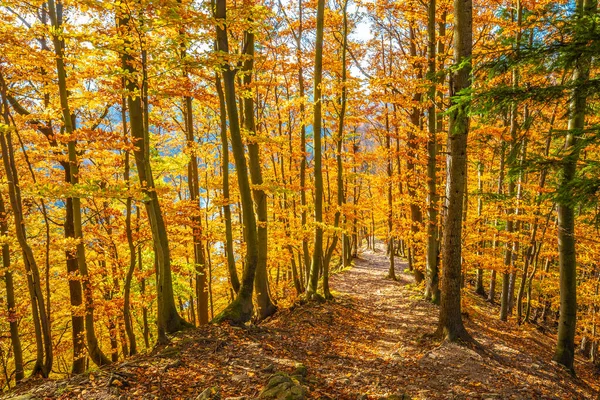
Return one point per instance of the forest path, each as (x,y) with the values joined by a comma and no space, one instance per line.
(374,343)
(369,342)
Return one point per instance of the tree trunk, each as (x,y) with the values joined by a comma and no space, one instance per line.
(10,298)
(265,306)
(240,310)
(479,283)
(339,143)
(41,319)
(565,347)
(432,291)
(132,253)
(450,324)
(94,349)
(169,320)
(233,276)
(416,215)
(194,192)
(317,256)
(75,293)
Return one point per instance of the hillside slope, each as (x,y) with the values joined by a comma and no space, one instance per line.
(369,343)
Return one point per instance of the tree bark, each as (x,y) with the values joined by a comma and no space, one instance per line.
(233,276)
(240,310)
(565,346)
(450,324)
(10,298)
(317,255)
(265,306)
(432,291)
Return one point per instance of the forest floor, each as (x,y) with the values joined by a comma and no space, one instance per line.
(369,343)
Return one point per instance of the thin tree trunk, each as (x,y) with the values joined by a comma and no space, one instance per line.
(10,298)
(194,191)
(233,276)
(509,255)
(339,142)
(479,284)
(432,291)
(132,251)
(240,310)
(94,349)
(533,248)
(317,256)
(41,320)
(169,320)
(265,306)
(416,215)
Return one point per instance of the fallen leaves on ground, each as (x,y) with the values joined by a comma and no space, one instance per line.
(371,340)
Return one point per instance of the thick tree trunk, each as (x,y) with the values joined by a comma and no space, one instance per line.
(565,347)
(450,324)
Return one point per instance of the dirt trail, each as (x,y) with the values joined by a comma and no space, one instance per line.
(398,319)
(368,341)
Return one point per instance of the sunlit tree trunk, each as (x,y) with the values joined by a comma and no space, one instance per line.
(233,276)
(303,204)
(75,292)
(194,192)
(533,247)
(43,336)
(479,289)
(240,310)
(512,161)
(13,320)
(500,190)
(339,144)
(130,243)
(265,306)
(416,215)
(432,291)
(94,349)
(317,256)
(169,320)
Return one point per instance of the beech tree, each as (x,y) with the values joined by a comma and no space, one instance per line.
(450,324)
